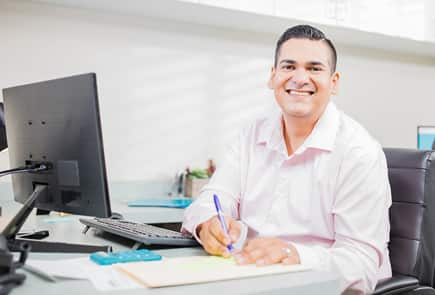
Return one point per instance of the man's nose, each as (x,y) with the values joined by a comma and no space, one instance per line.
(300,77)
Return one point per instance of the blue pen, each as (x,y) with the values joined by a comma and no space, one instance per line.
(217,204)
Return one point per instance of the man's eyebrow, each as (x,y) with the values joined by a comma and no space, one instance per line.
(287,61)
(311,63)
(316,63)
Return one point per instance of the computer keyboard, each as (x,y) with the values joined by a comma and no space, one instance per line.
(140,232)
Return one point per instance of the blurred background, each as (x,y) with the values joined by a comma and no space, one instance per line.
(178,79)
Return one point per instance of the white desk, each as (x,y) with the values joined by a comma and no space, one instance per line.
(309,282)
(293,283)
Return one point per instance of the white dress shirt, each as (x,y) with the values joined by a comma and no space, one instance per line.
(330,198)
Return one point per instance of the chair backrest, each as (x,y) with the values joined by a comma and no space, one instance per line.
(412,214)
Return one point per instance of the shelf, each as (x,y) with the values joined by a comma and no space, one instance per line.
(201,14)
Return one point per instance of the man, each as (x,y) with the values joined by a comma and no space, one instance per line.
(309,185)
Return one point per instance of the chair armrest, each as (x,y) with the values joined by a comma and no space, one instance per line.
(395,285)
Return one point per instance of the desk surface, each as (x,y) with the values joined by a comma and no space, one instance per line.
(293,283)
(309,282)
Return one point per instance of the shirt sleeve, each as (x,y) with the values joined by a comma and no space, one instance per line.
(363,198)
(226,183)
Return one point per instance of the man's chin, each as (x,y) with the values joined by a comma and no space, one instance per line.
(297,112)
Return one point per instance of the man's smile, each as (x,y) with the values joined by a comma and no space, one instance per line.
(299,92)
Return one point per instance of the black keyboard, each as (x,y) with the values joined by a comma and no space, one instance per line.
(140,232)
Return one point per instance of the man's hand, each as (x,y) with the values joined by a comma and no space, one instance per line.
(214,239)
(266,251)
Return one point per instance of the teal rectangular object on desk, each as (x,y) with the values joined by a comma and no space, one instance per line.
(103,258)
(170,203)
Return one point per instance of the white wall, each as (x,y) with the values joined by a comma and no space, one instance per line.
(172,94)
(390,94)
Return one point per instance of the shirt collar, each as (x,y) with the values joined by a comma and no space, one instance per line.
(325,131)
(322,137)
(270,132)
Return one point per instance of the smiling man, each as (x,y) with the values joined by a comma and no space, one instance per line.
(308,185)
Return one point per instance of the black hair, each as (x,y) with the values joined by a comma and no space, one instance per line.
(306,32)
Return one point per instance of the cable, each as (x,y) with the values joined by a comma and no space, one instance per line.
(28,168)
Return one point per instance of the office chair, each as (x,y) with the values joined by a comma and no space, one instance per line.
(412,217)
(3,143)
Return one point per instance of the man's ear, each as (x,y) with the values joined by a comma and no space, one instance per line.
(335,82)
(272,76)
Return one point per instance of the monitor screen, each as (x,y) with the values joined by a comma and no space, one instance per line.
(425,137)
(57,123)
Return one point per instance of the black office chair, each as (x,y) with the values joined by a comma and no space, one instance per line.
(3,143)
(412,217)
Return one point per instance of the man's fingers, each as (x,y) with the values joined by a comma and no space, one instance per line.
(213,239)
(234,235)
(256,254)
(213,246)
(274,255)
(266,251)
(234,229)
(257,243)
(291,255)
(261,256)
(217,231)
(247,257)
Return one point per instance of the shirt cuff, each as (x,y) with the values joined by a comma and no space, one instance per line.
(191,225)
(195,235)
(307,255)
(238,245)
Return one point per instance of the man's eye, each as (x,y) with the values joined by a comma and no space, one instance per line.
(315,69)
(288,67)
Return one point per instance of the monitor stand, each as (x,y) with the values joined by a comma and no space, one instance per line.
(15,244)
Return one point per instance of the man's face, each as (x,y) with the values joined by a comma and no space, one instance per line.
(302,80)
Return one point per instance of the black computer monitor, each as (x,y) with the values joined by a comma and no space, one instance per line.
(56,123)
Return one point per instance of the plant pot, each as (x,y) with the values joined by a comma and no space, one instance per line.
(194,185)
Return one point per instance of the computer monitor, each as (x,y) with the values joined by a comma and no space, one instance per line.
(56,123)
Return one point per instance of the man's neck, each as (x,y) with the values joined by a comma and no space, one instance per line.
(296,131)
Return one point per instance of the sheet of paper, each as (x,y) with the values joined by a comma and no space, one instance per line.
(107,278)
(197,269)
(67,268)
(104,278)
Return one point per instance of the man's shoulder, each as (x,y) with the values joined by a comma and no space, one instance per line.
(260,128)
(353,138)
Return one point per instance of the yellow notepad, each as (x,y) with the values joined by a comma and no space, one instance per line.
(198,269)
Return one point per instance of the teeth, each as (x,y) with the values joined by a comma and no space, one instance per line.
(303,93)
